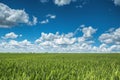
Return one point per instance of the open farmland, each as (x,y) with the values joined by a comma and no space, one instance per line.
(59,66)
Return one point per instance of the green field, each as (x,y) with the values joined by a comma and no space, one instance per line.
(59,66)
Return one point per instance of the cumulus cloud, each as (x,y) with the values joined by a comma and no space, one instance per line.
(115,48)
(13,43)
(88,31)
(106,48)
(17,46)
(112,37)
(11,35)
(56,39)
(63,2)
(117,2)
(65,42)
(11,17)
(21,44)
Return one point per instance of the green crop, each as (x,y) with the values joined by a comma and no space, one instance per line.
(59,66)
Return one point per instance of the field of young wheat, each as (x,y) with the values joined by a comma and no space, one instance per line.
(59,66)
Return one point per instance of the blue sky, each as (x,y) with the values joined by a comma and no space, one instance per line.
(59,25)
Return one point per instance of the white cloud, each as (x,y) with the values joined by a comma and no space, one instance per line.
(48,17)
(34,22)
(81,39)
(56,42)
(51,16)
(59,2)
(112,37)
(88,31)
(115,48)
(103,48)
(63,2)
(13,43)
(11,35)
(25,43)
(11,17)
(106,48)
(56,39)
(117,2)
(69,43)
(66,42)
(44,21)
(17,46)
(21,44)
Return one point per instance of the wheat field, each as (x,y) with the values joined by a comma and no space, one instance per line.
(59,66)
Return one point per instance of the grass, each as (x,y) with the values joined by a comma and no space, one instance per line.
(59,66)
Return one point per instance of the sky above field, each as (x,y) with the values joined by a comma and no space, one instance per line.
(59,25)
